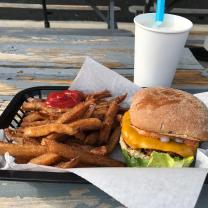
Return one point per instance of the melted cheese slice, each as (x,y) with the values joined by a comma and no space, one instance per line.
(137,141)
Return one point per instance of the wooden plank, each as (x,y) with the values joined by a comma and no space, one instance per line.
(62,51)
(11,83)
(36,194)
(69,51)
(54,6)
(62,31)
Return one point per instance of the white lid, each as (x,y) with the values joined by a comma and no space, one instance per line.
(172,23)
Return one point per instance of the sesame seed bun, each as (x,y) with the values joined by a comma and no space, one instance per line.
(170,112)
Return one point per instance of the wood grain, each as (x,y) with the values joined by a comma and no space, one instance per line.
(53,195)
(33,48)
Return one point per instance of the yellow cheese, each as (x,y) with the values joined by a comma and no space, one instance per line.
(137,141)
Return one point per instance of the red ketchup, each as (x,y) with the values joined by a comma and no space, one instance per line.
(64,99)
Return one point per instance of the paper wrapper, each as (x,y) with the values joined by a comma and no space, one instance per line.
(133,187)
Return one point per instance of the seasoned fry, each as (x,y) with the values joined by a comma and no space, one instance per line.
(50,116)
(35,123)
(41,106)
(99,114)
(69,152)
(23,151)
(57,137)
(34,116)
(22,160)
(70,129)
(18,138)
(108,121)
(113,141)
(75,113)
(119,99)
(101,150)
(73,163)
(92,138)
(90,111)
(102,106)
(46,159)
(68,137)
(99,95)
(80,135)
(118,118)
(45,130)
(84,147)
(86,124)
(32,105)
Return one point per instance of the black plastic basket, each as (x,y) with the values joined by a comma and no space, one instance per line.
(12,116)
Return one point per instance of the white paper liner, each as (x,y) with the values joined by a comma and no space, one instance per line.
(133,187)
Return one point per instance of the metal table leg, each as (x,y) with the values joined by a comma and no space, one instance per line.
(147,5)
(45,14)
(112,24)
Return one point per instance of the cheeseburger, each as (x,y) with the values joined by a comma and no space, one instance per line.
(163,128)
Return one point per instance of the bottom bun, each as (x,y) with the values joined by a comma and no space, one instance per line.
(136,158)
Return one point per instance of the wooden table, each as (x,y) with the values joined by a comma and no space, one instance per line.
(38,57)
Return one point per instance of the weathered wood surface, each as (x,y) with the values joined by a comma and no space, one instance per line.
(53,195)
(66,51)
(52,57)
(30,59)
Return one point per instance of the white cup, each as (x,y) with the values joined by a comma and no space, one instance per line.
(158,48)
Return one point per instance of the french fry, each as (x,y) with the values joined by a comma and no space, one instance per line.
(113,141)
(45,130)
(107,123)
(34,116)
(69,152)
(73,163)
(32,105)
(119,99)
(80,135)
(99,114)
(35,123)
(101,150)
(90,111)
(22,151)
(41,106)
(68,137)
(84,147)
(57,137)
(69,129)
(99,95)
(18,137)
(46,159)
(92,138)
(75,112)
(22,160)
(119,118)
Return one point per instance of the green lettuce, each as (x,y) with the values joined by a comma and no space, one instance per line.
(157,159)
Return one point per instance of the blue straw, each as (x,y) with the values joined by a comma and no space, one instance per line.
(160,8)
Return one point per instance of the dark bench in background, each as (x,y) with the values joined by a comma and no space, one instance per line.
(109,11)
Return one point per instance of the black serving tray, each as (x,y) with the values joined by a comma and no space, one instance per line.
(12,117)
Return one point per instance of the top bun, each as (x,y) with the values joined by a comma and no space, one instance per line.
(170,112)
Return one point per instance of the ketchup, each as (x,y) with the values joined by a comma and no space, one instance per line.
(64,99)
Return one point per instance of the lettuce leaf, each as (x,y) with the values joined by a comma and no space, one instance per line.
(157,159)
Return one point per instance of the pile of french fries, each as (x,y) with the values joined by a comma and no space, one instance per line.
(82,136)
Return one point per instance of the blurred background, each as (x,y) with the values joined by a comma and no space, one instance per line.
(91,13)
